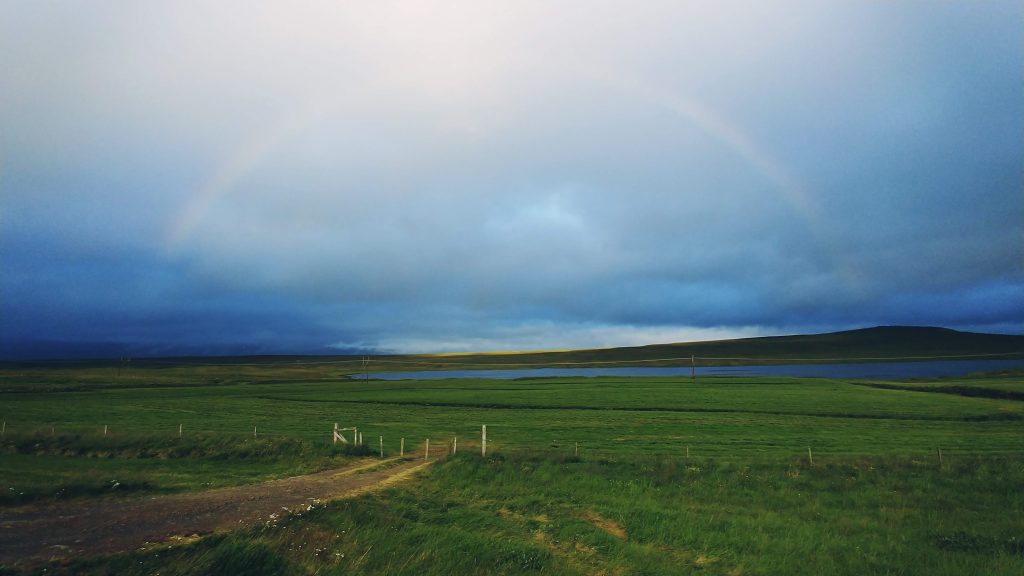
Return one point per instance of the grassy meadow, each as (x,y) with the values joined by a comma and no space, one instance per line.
(545,513)
(672,476)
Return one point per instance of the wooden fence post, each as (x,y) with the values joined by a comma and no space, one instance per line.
(334,436)
(401,449)
(355,436)
(104,430)
(483,440)
(455,444)
(381,446)
(810,457)
(254,431)
(939,450)
(687,450)
(576,452)
(426,453)
(179,430)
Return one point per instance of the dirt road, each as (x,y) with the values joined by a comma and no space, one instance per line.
(31,534)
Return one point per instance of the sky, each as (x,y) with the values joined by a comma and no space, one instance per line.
(321,177)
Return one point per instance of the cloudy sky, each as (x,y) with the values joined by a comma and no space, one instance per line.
(184,177)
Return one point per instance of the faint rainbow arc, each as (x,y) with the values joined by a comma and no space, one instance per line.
(729,134)
(245,158)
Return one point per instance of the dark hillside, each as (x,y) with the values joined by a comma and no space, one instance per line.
(879,343)
(883,342)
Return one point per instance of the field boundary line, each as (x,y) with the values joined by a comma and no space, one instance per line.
(689,359)
(684,359)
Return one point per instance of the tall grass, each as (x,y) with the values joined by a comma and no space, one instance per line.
(556,514)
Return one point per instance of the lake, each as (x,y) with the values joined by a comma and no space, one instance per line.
(869,370)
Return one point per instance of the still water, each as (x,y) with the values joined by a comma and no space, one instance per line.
(886,370)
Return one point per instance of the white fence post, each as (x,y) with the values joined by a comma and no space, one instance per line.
(426,454)
(339,435)
(381,446)
(455,444)
(401,449)
(483,441)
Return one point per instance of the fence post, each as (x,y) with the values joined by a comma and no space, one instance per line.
(483,440)
(693,367)
(3,432)
(253,431)
(179,430)
(334,436)
(104,430)
(426,454)
(381,446)
(577,451)
(939,450)
(810,457)
(401,449)
(687,450)
(455,444)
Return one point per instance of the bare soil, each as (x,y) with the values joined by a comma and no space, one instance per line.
(38,533)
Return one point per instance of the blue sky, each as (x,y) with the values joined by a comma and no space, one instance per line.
(309,177)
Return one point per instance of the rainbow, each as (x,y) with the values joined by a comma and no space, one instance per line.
(715,126)
(246,157)
(252,153)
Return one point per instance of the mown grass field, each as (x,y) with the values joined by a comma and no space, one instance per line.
(745,501)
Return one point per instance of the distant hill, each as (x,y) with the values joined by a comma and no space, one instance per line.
(868,344)
(878,343)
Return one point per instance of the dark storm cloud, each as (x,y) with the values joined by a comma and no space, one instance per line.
(180,178)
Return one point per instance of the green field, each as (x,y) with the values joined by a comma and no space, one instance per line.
(745,501)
